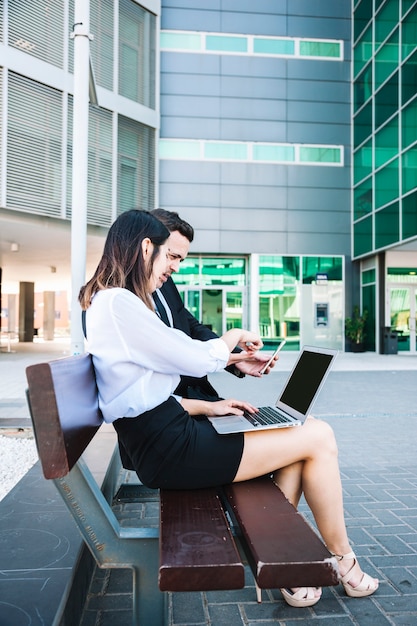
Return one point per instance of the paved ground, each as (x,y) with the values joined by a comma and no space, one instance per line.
(370,400)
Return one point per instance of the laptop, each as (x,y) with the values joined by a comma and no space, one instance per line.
(295,401)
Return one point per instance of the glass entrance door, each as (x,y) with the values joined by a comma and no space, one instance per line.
(403,310)
(220,309)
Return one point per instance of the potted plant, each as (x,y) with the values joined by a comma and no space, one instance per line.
(355,329)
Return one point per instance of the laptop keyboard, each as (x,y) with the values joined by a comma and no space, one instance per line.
(267,415)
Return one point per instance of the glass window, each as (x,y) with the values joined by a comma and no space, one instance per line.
(362,199)
(310,154)
(409,124)
(226,43)
(171,149)
(136,165)
(387,184)
(409,170)
(189,272)
(232,151)
(386,60)
(206,271)
(271,152)
(405,5)
(137,53)
(387,226)
(331,266)
(362,162)
(368,276)
(409,33)
(409,78)
(369,304)
(362,16)
(279,302)
(362,122)
(386,143)
(362,236)
(386,101)
(266,45)
(362,52)
(385,21)
(409,214)
(320,49)
(180,41)
(363,87)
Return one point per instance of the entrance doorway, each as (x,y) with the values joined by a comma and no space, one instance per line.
(220,308)
(403,310)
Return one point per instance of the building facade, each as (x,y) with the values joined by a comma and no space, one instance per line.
(241,116)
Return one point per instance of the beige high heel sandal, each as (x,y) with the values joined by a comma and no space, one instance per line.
(301,598)
(367,585)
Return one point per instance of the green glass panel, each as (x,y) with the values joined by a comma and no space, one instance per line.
(386,101)
(409,214)
(180,41)
(409,124)
(273,46)
(363,87)
(387,184)
(189,272)
(387,226)
(386,61)
(330,265)
(362,162)
(362,124)
(362,236)
(234,309)
(368,276)
(226,43)
(310,154)
(409,170)
(385,21)
(409,33)
(362,16)
(271,152)
(362,52)
(386,143)
(279,299)
(362,199)
(369,304)
(405,6)
(233,151)
(179,149)
(223,271)
(320,49)
(409,79)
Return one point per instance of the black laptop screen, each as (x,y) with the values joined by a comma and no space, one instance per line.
(305,380)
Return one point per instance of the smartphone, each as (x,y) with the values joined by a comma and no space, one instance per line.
(268,363)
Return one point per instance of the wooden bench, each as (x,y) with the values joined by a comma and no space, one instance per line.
(196,547)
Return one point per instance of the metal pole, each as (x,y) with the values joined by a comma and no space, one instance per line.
(81,37)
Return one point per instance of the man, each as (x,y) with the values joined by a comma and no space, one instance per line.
(171,308)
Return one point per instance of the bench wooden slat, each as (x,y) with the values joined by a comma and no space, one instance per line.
(63,400)
(281,547)
(197,549)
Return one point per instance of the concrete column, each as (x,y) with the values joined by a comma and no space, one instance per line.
(26,311)
(12,316)
(48,315)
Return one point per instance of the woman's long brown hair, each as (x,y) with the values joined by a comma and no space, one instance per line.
(122,263)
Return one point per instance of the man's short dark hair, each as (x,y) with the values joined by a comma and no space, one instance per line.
(173,222)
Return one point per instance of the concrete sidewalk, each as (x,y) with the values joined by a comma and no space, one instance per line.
(371,402)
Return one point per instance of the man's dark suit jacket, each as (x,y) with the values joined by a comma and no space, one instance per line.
(190,387)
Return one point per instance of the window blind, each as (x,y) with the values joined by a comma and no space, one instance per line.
(136,166)
(34,147)
(37,28)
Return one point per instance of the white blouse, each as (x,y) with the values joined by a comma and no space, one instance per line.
(137,358)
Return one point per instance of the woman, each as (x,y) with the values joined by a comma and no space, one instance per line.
(138,360)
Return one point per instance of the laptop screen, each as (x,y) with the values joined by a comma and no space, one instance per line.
(305,379)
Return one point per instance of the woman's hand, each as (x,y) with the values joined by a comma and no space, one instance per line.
(220,407)
(229,407)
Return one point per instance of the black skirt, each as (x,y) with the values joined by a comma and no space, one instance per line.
(169,449)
